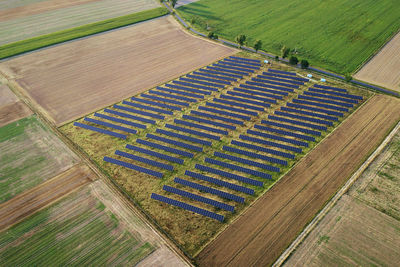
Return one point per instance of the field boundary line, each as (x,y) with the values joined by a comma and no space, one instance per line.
(285,255)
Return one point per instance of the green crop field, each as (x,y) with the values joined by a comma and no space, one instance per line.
(335,35)
(77,230)
(30,154)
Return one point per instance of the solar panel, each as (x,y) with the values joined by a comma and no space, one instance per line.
(290,127)
(217,85)
(246,161)
(332,97)
(254,155)
(260,91)
(283,72)
(173,142)
(268,89)
(129,116)
(188,89)
(239,99)
(144,113)
(214,76)
(263,149)
(145,160)
(198,126)
(245,59)
(243,62)
(221,112)
(168,112)
(99,130)
(273,130)
(310,113)
(229,175)
(230,63)
(155,154)
(335,93)
(233,103)
(184,137)
(238,168)
(166,148)
(133,167)
(188,207)
(271,78)
(199,77)
(173,96)
(273,86)
(228,70)
(190,131)
(156,103)
(325,101)
(219,124)
(267,82)
(196,86)
(103,116)
(163,99)
(279,138)
(285,76)
(209,190)
(220,73)
(219,182)
(310,125)
(247,112)
(215,117)
(198,198)
(331,88)
(229,67)
(269,143)
(268,100)
(319,105)
(179,92)
(303,118)
(330,112)
(110,125)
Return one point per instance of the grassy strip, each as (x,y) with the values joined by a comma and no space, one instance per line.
(34,43)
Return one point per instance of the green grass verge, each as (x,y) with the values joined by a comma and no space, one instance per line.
(335,35)
(34,43)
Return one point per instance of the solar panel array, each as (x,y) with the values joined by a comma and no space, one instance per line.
(159,110)
(266,77)
(279,138)
(196,86)
(290,77)
(241,169)
(266,82)
(234,103)
(110,125)
(155,154)
(303,118)
(166,148)
(246,161)
(99,130)
(219,124)
(184,137)
(133,167)
(188,89)
(273,144)
(226,113)
(220,73)
(144,160)
(179,92)
(255,155)
(174,142)
(216,117)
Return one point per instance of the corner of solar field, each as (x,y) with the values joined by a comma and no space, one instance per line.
(220,157)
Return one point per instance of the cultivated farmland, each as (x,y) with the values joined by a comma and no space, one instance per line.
(30,155)
(267,228)
(74,79)
(336,35)
(11,108)
(21,20)
(228,126)
(383,68)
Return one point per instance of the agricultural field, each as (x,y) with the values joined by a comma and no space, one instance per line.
(11,108)
(20,20)
(261,234)
(227,129)
(383,68)
(30,155)
(335,35)
(363,227)
(74,79)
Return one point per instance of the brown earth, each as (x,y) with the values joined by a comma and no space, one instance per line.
(39,7)
(11,108)
(31,201)
(259,236)
(77,78)
(383,68)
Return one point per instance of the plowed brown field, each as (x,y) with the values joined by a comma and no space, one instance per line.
(11,108)
(259,236)
(74,79)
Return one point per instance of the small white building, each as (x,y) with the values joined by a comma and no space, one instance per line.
(323,80)
(309,75)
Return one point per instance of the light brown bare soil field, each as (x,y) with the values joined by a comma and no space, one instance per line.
(352,234)
(74,79)
(30,201)
(383,68)
(11,108)
(260,235)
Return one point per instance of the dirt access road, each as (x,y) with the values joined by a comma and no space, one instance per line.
(260,235)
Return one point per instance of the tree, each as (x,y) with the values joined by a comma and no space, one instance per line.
(293,60)
(276,58)
(348,77)
(240,39)
(257,45)
(304,64)
(285,51)
(173,3)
